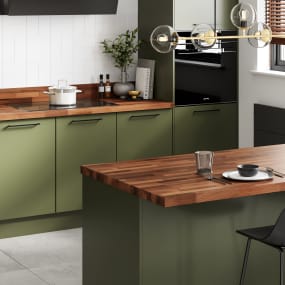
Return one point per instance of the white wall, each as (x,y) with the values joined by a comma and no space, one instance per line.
(39,50)
(256,88)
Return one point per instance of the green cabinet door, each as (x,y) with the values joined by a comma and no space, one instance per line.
(212,127)
(27,172)
(80,140)
(144,134)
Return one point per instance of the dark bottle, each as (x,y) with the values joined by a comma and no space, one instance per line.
(101,87)
(108,86)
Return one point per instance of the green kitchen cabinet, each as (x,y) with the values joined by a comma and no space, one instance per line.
(211,127)
(27,168)
(144,134)
(80,140)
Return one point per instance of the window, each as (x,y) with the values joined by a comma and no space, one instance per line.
(275,12)
(277,57)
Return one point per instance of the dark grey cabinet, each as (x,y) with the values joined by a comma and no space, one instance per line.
(57,7)
(268,125)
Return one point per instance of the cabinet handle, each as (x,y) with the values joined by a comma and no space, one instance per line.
(207,111)
(87,121)
(22,126)
(150,116)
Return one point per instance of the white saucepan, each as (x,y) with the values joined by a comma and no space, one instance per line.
(62,95)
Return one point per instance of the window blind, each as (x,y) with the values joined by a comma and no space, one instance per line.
(275,18)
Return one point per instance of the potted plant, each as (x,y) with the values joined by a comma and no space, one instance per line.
(122,49)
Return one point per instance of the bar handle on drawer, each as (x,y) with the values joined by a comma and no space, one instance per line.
(147,116)
(207,111)
(85,121)
(21,126)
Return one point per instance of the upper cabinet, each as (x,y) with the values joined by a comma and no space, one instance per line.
(188,13)
(57,7)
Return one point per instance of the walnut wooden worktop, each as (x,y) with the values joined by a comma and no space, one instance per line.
(172,180)
(8,112)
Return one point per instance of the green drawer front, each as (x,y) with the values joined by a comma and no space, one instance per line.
(80,140)
(212,127)
(144,134)
(27,172)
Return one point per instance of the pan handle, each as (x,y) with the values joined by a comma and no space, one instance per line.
(49,93)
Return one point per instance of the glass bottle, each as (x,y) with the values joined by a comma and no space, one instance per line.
(101,87)
(108,86)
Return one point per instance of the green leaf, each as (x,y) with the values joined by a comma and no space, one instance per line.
(122,48)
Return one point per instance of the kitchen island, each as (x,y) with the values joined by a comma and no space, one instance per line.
(156,222)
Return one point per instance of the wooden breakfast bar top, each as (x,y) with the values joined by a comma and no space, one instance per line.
(172,180)
(146,241)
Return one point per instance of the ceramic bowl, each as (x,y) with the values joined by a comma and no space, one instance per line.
(247,170)
(134,93)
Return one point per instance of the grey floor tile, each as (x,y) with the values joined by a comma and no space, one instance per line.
(20,277)
(53,258)
(66,274)
(44,249)
(7,264)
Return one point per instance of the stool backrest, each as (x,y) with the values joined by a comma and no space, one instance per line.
(277,236)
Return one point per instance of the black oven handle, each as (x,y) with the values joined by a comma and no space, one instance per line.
(201,63)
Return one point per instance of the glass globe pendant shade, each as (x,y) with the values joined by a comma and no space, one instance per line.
(260,35)
(164,39)
(204,36)
(243,15)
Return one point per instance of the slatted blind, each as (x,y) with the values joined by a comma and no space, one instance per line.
(275,18)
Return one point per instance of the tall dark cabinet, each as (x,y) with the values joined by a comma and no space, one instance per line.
(194,125)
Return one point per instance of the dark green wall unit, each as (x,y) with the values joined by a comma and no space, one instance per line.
(80,140)
(27,168)
(150,15)
(212,127)
(144,134)
(58,7)
(268,125)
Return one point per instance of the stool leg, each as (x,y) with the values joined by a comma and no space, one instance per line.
(281,267)
(245,261)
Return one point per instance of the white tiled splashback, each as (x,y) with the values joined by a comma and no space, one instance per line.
(39,50)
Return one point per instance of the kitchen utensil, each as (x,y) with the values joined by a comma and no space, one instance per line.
(62,94)
(276,173)
(218,180)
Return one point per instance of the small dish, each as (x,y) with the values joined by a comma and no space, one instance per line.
(247,170)
(134,93)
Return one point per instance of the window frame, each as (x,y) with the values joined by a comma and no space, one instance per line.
(276,62)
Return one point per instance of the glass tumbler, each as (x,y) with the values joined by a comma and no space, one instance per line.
(204,162)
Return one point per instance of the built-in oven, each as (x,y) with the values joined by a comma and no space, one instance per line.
(206,76)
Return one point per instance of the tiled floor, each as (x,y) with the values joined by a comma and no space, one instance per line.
(53,258)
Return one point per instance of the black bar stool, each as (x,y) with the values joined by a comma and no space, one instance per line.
(273,235)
